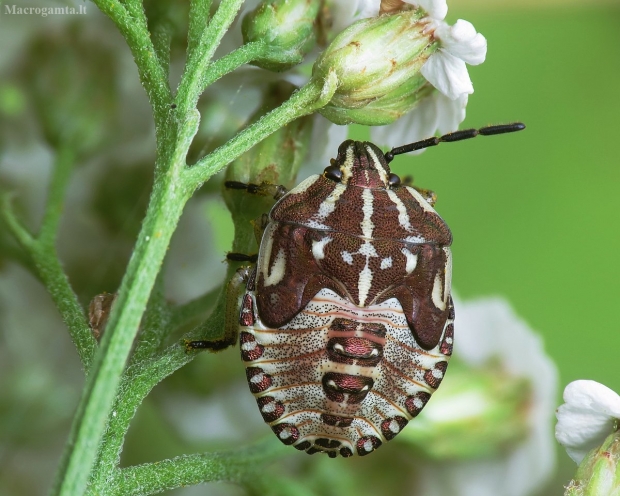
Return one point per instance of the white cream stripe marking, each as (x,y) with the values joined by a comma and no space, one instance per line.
(420,199)
(364,283)
(394,427)
(278,269)
(249,346)
(403,217)
(303,186)
(326,208)
(386,263)
(412,260)
(448,273)
(347,257)
(318,248)
(257,378)
(368,250)
(347,167)
(437,294)
(365,278)
(382,172)
(269,407)
(367,225)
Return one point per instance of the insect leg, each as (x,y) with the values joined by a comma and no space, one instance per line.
(263,189)
(231,325)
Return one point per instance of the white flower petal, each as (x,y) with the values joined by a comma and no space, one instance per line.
(488,329)
(418,124)
(462,41)
(586,418)
(450,112)
(346,12)
(448,74)
(437,9)
(434,113)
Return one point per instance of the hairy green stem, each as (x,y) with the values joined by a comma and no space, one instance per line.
(232,466)
(229,62)
(314,95)
(136,33)
(199,11)
(192,85)
(42,255)
(165,207)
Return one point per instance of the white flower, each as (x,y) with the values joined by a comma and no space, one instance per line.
(586,418)
(446,69)
(437,9)
(488,330)
(343,13)
(434,113)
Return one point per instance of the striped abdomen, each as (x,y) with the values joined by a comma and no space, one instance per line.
(339,378)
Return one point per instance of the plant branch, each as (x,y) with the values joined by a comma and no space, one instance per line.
(136,34)
(233,466)
(137,382)
(165,207)
(231,61)
(314,95)
(199,11)
(191,86)
(42,254)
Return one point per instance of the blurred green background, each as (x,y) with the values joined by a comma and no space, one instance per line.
(535,219)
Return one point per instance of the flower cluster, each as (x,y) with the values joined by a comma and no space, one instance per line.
(401,68)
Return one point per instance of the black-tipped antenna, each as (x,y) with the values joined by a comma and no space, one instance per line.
(455,136)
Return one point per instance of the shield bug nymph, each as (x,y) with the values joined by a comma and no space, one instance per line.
(346,322)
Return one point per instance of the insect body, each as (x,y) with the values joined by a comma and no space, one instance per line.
(346,328)
(346,322)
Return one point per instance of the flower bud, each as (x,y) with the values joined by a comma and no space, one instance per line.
(599,472)
(377,61)
(476,413)
(287,29)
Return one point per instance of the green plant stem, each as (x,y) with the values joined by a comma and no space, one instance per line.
(192,85)
(165,207)
(232,466)
(41,252)
(235,59)
(137,383)
(136,34)
(199,11)
(315,94)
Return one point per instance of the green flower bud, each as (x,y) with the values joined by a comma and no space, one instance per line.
(287,29)
(474,414)
(377,61)
(599,472)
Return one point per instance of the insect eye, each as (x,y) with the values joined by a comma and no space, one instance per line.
(333,172)
(393,180)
